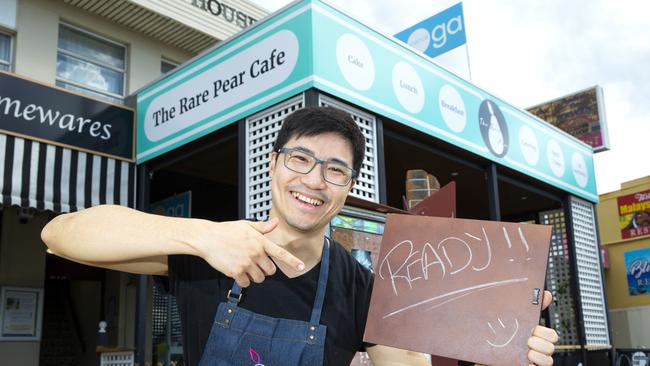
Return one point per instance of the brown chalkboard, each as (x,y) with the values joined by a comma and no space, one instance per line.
(464,289)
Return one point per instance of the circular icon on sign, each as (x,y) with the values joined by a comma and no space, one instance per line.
(555,158)
(493,128)
(419,39)
(408,87)
(528,145)
(579,168)
(355,62)
(452,108)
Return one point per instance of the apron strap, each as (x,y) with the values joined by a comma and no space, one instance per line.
(322,284)
(235,292)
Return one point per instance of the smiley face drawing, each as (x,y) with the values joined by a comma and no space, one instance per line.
(494,129)
(503,334)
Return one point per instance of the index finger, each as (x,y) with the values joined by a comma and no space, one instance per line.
(547,300)
(281,254)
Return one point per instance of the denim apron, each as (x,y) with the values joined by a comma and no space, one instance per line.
(242,337)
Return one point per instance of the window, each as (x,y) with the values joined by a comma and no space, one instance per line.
(167,66)
(5,52)
(90,64)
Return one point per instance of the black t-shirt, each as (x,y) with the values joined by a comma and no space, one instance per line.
(199,289)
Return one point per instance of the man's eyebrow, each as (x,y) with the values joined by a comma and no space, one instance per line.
(308,151)
(338,161)
(304,149)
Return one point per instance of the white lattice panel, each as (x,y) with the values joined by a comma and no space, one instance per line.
(367,186)
(589,272)
(261,131)
(558,280)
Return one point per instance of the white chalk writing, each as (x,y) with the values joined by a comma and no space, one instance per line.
(504,329)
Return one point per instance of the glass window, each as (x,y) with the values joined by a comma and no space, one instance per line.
(5,52)
(90,64)
(167,66)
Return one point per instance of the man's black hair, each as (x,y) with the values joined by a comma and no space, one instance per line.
(312,121)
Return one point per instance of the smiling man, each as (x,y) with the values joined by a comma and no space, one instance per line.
(266,293)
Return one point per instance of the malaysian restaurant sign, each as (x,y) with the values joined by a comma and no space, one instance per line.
(634,214)
(43,113)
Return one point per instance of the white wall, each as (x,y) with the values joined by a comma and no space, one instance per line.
(37,38)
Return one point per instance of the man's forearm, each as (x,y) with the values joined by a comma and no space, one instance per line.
(105,234)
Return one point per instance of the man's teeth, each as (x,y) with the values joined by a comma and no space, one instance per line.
(311,201)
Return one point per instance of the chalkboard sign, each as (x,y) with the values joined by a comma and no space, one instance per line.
(464,289)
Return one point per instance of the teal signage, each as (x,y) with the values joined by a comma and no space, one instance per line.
(376,72)
(311,44)
(246,74)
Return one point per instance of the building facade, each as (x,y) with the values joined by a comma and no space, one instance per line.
(624,224)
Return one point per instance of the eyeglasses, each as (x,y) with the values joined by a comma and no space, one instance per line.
(302,162)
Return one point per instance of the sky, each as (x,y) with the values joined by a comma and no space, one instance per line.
(530,52)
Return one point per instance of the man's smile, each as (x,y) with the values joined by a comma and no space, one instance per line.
(306,199)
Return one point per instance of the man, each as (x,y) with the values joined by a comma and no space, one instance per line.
(305,300)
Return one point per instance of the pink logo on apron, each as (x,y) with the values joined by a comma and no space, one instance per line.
(255,357)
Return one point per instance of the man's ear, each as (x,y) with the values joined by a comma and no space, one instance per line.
(274,159)
(352,183)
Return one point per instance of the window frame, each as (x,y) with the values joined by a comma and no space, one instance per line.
(112,96)
(10,60)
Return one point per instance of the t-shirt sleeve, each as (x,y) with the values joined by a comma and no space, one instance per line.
(179,267)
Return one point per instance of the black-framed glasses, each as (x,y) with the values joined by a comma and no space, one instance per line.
(303,162)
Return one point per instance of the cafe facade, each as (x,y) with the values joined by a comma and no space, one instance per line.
(67,142)
(206,130)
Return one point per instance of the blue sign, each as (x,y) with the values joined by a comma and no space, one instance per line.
(637,264)
(440,33)
(179,205)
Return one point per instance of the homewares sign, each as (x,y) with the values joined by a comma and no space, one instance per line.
(39,112)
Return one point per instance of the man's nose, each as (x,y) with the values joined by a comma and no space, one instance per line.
(315,177)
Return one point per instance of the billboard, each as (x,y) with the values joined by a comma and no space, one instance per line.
(438,34)
(581,115)
(634,214)
(637,264)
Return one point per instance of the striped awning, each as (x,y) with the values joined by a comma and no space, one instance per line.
(47,177)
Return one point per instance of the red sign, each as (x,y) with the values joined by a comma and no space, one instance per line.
(634,214)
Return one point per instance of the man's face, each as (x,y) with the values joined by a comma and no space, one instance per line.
(306,202)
